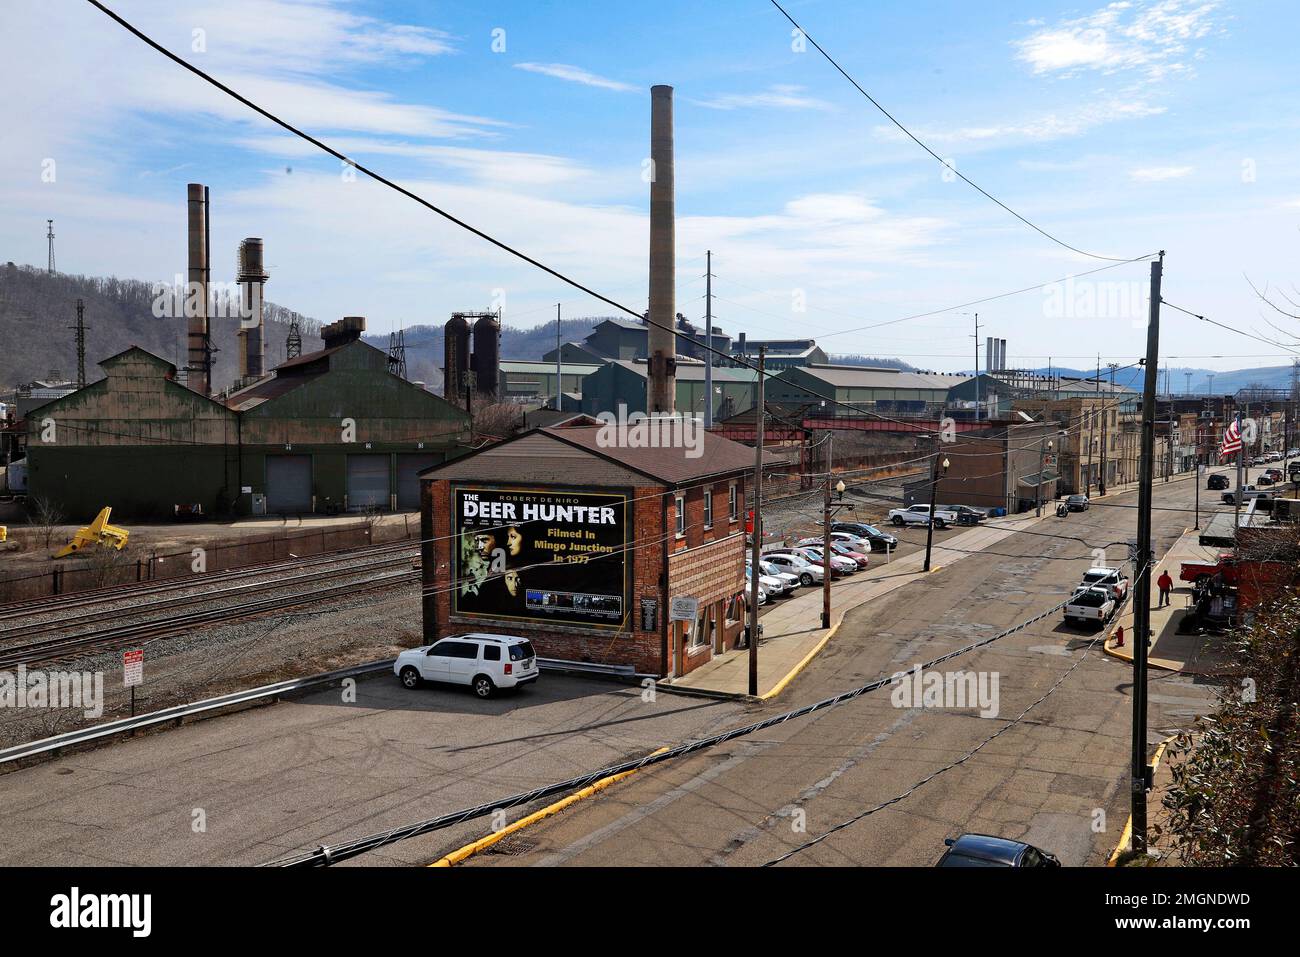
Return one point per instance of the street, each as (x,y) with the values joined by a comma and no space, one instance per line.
(318,769)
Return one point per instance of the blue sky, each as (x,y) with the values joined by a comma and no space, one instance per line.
(1122,128)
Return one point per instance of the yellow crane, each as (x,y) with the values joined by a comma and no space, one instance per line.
(98,532)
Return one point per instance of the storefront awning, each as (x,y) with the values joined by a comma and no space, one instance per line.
(1035,479)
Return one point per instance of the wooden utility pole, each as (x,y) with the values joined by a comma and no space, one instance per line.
(1143,567)
(559,363)
(756,536)
(826,537)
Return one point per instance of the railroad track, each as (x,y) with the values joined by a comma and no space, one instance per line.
(46,624)
(133,590)
(108,639)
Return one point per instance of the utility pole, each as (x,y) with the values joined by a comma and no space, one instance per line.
(80,331)
(1043,446)
(559,360)
(1092,422)
(826,537)
(1105,432)
(934,487)
(708,338)
(756,536)
(977,368)
(49,236)
(1143,569)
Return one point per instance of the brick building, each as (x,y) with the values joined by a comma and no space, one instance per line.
(583,545)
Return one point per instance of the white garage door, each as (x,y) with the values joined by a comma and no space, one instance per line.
(288,484)
(367,482)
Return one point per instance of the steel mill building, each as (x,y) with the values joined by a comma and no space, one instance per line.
(331,430)
(625,558)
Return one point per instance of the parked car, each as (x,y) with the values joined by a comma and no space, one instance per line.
(877,538)
(767,587)
(1077,503)
(1217,481)
(1199,572)
(1247,493)
(1275,474)
(839,564)
(920,515)
(808,573)
(976,514)
(982,850)
(855,542)
(841,549)
(485,662)
(1089,606)
(1111,578)
(1263,479)
(791,582)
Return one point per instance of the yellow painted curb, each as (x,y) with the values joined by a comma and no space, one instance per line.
(469,850)
(803,662)
(1126,837)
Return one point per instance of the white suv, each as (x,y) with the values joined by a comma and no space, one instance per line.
(485,662)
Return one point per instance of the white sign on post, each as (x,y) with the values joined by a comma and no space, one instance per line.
(684,609)
(133,667)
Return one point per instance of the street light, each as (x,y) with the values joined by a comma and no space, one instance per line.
(940,468)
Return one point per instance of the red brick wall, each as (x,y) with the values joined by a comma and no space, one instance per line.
(709,564)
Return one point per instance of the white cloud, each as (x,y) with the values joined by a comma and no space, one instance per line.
(1158,174)
(1155,37)
(778,96)
(575,74)
(1047,126)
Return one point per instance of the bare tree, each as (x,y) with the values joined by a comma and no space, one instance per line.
(498,420)
(45,517)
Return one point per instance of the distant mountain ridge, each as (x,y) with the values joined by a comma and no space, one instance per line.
(37,309)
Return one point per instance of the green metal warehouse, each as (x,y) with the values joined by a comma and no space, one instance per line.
(328,431)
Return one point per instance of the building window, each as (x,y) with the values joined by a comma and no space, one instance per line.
(681,516)
(733,505)
(708,508)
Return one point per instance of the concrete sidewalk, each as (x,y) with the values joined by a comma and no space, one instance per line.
(1189,653)
(792,632)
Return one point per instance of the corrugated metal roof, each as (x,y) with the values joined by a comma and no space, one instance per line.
(541,365)
(692,371)
(868,377)
(673,466)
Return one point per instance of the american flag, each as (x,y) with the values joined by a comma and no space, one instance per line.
(1231,440)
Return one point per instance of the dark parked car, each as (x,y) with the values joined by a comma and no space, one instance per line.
(879,540)
(1077,503)
(981,850)
(1217,482)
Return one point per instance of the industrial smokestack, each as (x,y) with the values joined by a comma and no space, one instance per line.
(252,333)
(1002,354)
(988,354)
(661,340)
(198,353)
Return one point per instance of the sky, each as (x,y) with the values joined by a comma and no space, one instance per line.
(1121,129)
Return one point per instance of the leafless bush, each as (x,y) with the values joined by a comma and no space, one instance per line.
(45,517)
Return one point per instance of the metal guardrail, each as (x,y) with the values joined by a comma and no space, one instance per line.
(126,725)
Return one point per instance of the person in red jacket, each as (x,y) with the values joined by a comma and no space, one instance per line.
(1164,583)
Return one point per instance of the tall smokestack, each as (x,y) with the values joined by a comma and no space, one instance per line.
(661,340)
(1002,354)
(988,354)
(252,332)
(198,356)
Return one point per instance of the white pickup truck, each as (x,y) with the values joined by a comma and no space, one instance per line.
(1090,605)
(920,515)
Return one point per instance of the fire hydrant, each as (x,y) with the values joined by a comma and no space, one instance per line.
(1119,637)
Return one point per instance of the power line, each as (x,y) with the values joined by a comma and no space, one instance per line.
(1221,325)
(500,244)
(915,139)
(325,856)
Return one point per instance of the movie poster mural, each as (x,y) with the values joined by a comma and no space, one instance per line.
(541,555)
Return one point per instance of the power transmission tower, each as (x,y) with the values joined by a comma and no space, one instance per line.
(80,331)
(1188,390)
(397,353)
(49,235)
(293,342)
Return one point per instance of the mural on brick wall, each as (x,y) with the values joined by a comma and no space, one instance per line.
(545,555)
